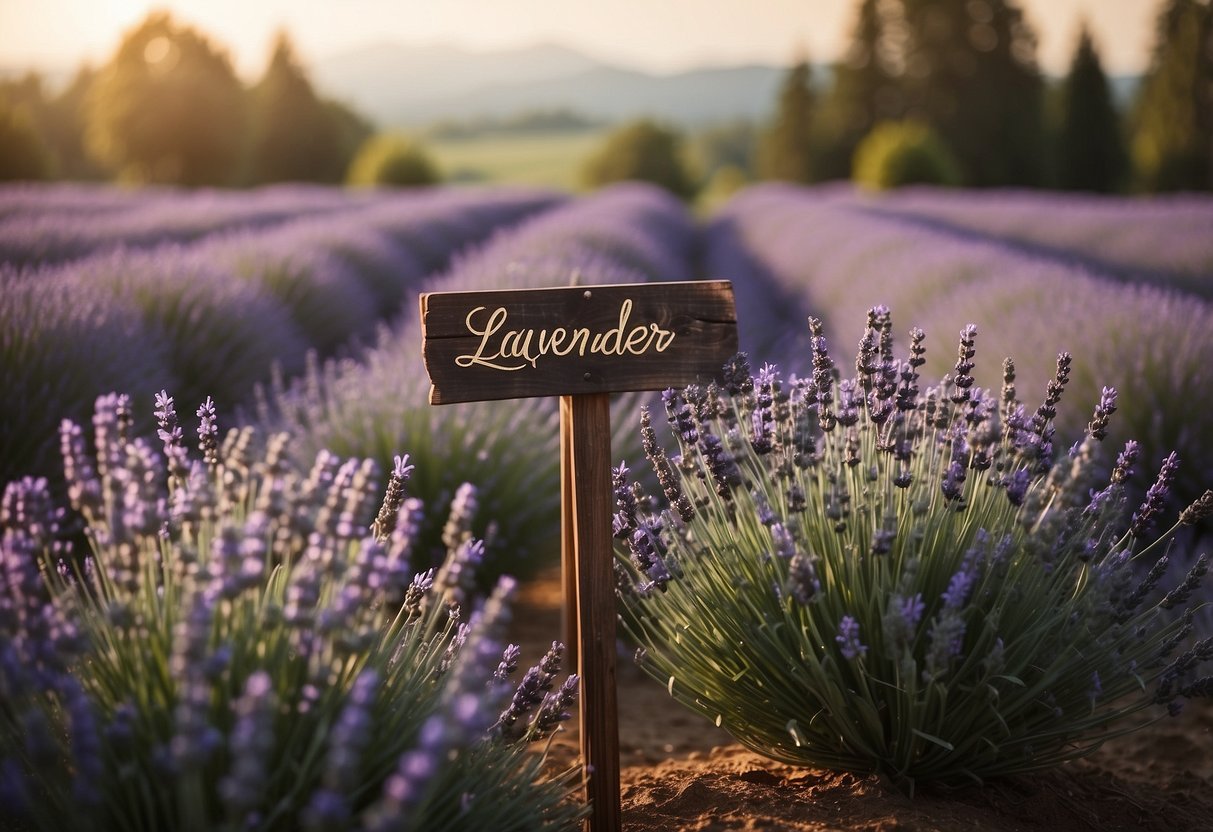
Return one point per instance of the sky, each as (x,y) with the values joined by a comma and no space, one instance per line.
(656,35)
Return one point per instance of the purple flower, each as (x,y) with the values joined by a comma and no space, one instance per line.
(1098,426)
(900,621)
(1156,496)
(678,413)
(648,555)
(848,639)
(208,432)
(803,582)
(250,745)
(393,498)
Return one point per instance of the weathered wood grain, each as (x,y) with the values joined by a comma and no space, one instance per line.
(575,340)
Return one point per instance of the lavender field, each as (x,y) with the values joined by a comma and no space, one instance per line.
(283,325)
(306,295)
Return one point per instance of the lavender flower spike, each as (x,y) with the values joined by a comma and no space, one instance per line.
(1156,495)
(393,499)
(848,639)
(208,432)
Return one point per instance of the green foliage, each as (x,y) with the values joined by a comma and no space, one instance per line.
(904,153)
(394,160)
(867,576)
(22,154)
(966,67)
(1172,144)
(641,151)
(866,90)
(168,108)
(1092,154)
(254,658)
(295,135)
(785,152)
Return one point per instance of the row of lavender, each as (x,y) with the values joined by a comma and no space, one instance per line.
(58,223)
(1166,241)
(218,316)
(378,406)
(1153,345)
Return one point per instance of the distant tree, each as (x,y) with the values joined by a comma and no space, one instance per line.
(23,156)
(1091,154)
(731,144)
(392,160)
(644,151)
(785,151)
(23,150)
(168,108)
(1173,137)
(867,87)
(65,125)
(970,71)
(297,136)
(898,153)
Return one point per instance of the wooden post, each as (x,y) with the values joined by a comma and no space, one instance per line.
(568,542)
(581,343)
(587,421)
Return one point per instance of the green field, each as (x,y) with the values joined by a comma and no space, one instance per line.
(544,159)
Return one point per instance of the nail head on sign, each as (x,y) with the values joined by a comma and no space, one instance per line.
(587,376)
(587,294)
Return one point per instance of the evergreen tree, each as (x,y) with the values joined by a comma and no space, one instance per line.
(971,72)
(785,151)
(168,108)
(296,135)
(1173,136)
(23,156)
(866,89)
(1092,154)
(24,153)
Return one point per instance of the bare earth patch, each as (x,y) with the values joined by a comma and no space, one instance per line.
(680,772)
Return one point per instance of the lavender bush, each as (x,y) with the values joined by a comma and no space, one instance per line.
(237,650)
(33,229)
(845,260)
(1165,240)
(861,572)
(509,449)
(57,340)
(219,315)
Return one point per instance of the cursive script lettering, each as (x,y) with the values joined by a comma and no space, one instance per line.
(515,349)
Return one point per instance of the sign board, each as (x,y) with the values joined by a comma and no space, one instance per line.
(575,340)
(581,344)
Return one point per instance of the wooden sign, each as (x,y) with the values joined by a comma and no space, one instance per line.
(581,343)
(575,340)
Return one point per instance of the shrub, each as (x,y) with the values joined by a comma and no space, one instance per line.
(641,151)
(904,153)
(238,651)
(62,343)
(392,160)
(869,576)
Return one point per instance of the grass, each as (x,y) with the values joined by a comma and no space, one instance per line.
(544,159)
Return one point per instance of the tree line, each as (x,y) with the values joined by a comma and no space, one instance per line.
(168,108)
(939,91)
(949,92)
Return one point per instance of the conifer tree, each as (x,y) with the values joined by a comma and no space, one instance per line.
(296,136)
(970,70)
(1092,153)
(866,89)
(1173,136)
(785,151)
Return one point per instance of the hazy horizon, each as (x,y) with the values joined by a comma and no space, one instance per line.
(54,36)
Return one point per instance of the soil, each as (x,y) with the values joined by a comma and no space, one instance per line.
(680,772)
